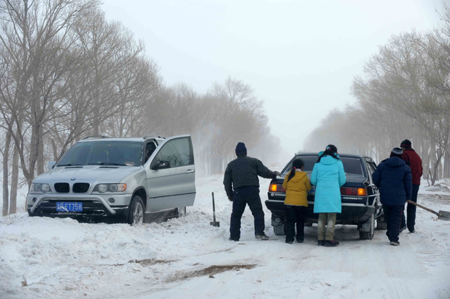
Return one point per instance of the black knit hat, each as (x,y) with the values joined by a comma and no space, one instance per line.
(396,152)
(332,148)
(241,149)
(406,143)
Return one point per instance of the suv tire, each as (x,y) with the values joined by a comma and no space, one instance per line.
(137,211)
(181,212)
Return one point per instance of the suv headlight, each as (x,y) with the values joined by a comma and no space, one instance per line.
(40,188)
(102,188)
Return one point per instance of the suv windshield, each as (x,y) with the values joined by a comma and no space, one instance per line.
(122,153)
(352,166)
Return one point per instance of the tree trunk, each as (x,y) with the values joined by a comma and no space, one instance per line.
(15,181)
(54,149)
(6,174)
(447,164)
(40,160)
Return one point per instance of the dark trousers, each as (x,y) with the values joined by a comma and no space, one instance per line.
(393,216)
(242,197)
(295,214)
(411,210)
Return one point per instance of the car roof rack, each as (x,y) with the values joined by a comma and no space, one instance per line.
(95,137)
(153,136)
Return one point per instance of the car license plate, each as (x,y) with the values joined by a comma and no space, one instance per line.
(69,207)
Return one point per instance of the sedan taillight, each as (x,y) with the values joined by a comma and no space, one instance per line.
(354,191)
(276,188)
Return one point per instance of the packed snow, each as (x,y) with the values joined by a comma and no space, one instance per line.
(189,258)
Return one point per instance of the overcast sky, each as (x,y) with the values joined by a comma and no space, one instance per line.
(299,56)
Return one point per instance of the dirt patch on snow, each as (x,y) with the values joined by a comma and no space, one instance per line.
(149,262)
(209,271)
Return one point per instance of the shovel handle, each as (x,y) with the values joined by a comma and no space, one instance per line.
(420,206)
(214,207)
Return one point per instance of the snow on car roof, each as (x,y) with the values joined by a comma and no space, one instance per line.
(316,154)
(129,139)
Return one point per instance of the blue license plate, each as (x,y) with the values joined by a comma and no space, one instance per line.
(69,207)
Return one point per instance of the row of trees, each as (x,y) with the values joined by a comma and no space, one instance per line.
(404,93)
(67,72)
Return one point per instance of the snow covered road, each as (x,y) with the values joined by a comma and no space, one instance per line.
(188,258)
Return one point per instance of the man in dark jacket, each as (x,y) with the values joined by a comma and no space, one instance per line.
(413,160)
(242,187)
(393,178)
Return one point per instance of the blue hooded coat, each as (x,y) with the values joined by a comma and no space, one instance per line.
(328,176)
(393,178)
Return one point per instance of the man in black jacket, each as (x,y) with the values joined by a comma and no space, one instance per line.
(393,178)
(242,187)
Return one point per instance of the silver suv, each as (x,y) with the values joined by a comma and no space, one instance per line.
(126,179)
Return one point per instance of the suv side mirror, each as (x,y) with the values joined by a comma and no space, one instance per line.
(50,165)
(161,165)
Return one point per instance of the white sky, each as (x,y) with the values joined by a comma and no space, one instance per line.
(299,56)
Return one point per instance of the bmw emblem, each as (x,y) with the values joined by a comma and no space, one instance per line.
(73,179)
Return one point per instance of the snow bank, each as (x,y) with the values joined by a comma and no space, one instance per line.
(188,258)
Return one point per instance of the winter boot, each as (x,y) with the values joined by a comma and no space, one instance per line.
(263,237)
(321,242)
(393,243)
(331,243)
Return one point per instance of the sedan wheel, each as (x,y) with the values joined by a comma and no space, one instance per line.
(368,235)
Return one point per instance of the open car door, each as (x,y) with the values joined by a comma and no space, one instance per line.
(171,175)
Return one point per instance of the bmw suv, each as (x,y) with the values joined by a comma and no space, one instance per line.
(127,179)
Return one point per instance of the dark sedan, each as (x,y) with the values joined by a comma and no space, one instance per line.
(361,204)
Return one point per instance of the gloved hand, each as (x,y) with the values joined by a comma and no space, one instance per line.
(276,173)
(230,197)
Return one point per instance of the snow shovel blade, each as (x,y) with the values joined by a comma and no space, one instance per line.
(444,215)
(215,223)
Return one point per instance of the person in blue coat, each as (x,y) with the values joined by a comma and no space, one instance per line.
(328,176)
(394,179)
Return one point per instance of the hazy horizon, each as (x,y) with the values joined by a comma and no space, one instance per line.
(300,57)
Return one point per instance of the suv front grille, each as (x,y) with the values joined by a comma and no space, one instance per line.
(62,187)
(80,187)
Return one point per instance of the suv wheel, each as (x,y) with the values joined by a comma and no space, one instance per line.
(368,235)
(136,212)
(181,212)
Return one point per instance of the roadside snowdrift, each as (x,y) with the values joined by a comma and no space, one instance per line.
(188,258)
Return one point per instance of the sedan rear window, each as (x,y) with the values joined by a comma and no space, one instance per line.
(352,166)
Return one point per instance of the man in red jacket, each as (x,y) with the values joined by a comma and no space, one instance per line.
(413,160)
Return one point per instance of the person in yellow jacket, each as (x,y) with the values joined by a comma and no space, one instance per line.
(297,185)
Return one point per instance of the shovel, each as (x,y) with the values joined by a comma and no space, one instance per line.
(214,222)
(442,215)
